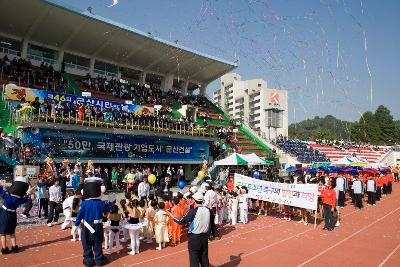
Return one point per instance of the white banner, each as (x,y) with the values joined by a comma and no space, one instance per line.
(296,195)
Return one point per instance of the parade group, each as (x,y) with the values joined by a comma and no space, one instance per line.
(149,211)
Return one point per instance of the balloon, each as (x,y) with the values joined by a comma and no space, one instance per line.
(201,174)
(151,178)
(181,184)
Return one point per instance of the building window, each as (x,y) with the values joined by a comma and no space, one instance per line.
(73,61)
(274,118)
(104,68)
(10,46)
(259,85)
(42,54)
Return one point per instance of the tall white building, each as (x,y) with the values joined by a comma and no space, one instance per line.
(263,109)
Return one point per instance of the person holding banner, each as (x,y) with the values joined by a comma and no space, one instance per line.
(329,201)
(303,211)
(243,205)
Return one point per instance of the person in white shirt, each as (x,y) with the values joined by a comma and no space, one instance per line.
(358,192)
(340,190)
(222,176)
(66,205)
(233,208)
(371,191)
(55,198)
(243,205)
(211,201)
(210,198)
(144,189)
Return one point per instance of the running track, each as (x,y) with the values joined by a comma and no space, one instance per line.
(370,237)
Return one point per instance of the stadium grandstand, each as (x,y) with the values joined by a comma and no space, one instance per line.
(99,90)
(310,152)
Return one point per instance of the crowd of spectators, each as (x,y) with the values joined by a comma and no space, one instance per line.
(342,145)
(80,113)
(138,94)
(198,101)
(144,94)
(13,148)
(22,72)
(301,150)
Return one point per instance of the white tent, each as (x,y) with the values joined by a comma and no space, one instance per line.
(233,160)
(240,160)
(253,159)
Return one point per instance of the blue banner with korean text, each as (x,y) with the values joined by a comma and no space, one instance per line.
(86,145)
(14,92)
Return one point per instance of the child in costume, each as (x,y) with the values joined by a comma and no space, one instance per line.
(233,207)
(66,205)
(219,217)
(90,214)
(125,215)
(176,228)
(243,205)
(133,228)
(150,214)
(76,203)
(161,230)
(12,198)
(43,197)
(115,217)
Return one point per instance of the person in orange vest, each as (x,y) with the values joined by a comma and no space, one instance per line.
(231,184)
(384,183)
(167,207)
(390,180)
(395,171)
(329,201)
(176,229)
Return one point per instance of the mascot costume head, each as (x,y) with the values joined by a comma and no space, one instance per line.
(93,188)
(19,186)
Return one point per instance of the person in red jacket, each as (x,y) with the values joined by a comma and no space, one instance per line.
(385,183)
(329,201)
(390,179)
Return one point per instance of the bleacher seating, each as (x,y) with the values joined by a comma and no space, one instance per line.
(301,151)
(23,73)
(335,152)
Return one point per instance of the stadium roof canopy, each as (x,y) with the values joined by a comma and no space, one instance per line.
(64,27)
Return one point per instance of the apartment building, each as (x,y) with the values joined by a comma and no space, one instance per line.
(263,109)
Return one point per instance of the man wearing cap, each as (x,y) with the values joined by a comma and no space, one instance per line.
(201,222)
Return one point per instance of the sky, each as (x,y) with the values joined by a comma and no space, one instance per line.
(331,55)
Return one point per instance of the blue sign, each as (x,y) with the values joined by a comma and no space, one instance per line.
(14,92)
(86,145)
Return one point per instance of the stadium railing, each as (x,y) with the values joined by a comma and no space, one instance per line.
(21,117)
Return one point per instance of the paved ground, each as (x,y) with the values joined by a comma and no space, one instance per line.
(370,237)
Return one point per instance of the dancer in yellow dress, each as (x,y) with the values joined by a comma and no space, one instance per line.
(161,222)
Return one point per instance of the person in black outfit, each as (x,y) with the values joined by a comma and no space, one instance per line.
(106,176)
